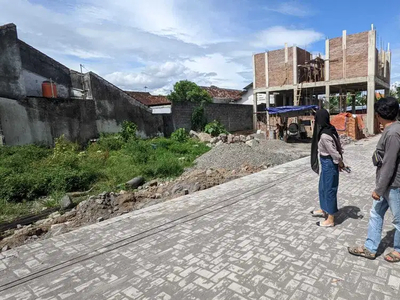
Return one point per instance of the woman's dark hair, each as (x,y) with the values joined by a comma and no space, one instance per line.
(387,108)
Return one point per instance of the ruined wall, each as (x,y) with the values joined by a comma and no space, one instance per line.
(356,56)
(11,80)
(280,73)
(38,67)
(234,117)
(113,106)
(41,120)
(259,65)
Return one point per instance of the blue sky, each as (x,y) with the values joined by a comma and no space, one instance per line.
(154,43)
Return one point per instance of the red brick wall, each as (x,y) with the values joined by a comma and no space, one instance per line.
(356,56)
(278,73)
(303,56)
(336,59)
(259,65)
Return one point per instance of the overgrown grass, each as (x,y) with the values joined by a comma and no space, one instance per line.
(32,172)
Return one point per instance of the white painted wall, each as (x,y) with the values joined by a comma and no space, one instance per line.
(162,109)
(247,98)
(33,85)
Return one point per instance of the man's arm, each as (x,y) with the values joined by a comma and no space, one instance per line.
(389,164)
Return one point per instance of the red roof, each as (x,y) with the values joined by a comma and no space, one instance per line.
(220,93)
(149,100)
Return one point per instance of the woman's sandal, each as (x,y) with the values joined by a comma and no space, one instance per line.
(361,251)
(393,257)
(314,213)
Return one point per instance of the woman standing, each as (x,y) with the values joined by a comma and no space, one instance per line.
(326,142)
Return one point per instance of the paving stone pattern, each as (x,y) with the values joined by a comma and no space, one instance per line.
(252,238)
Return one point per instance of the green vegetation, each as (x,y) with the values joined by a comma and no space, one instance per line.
(215,128)
(198,119)
(32,172)
(180,135)
(187,91)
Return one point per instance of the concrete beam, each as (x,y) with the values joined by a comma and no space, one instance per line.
(327,60)
(381,83)
(289,87)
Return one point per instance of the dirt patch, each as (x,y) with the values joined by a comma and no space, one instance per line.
(109,205)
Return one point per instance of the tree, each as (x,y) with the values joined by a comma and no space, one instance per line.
(395,92)
(187,91)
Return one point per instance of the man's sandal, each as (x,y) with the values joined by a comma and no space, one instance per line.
(361,251)
(392,258)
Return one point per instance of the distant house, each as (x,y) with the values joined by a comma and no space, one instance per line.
(247,95)
(157,103)
(221,95)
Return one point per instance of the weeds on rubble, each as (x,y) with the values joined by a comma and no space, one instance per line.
(34,172)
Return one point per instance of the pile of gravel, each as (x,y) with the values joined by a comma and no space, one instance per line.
(266,153)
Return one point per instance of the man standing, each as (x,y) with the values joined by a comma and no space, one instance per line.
(387,191)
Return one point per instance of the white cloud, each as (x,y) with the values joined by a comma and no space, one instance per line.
(277,36)
(150,43)
(291,8)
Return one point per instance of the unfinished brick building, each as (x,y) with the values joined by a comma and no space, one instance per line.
(352,63)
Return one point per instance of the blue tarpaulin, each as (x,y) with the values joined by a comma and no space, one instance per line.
(289,109)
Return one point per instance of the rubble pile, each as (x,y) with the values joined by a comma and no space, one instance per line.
(224,139)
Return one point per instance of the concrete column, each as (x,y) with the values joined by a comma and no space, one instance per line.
(267,104)
(344,47)
(340,100)
(327,96)
(255,111)
(371,81)
(387,93)
(370,107)
(284,99)
(254,72)
(296,99)
(327,60)
(266,70)
(353,103)
(295,81)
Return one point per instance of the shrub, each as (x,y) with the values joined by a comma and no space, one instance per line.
(198,119)
(215,128)
(180,135)
(110,142)
(129,131)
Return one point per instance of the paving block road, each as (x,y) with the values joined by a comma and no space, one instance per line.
(252,238)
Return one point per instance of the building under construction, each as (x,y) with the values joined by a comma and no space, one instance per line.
(352,63)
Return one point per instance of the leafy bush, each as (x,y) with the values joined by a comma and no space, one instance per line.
(198,119)
(215,128)
(129,131)
(180,135)
(110,142)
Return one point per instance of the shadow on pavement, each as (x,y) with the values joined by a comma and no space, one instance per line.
(386,242)
(348,212)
